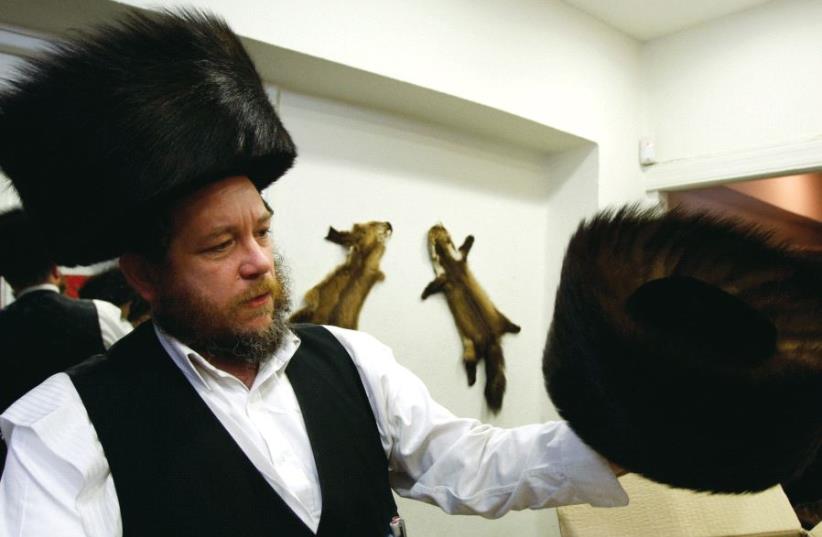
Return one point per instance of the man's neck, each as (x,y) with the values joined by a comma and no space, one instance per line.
(45,286)
(246,372)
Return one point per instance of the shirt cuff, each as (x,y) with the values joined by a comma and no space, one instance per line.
(590,473)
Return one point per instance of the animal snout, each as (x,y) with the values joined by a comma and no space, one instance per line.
(385,230)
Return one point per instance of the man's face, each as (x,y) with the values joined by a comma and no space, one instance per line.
(220,290)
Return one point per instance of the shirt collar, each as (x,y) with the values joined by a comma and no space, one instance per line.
(33,288)
(195,367)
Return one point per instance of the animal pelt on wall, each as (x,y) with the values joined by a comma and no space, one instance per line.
(338,299)
(688,349)
(479,323)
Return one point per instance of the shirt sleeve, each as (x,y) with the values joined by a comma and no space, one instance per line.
(56,480)
(112,324)
(465,466)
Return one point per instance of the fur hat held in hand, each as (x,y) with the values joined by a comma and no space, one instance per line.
(689,350)
(118,120)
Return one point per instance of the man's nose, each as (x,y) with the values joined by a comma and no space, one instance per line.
(258,259)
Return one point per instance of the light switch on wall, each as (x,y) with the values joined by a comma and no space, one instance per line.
(647,152)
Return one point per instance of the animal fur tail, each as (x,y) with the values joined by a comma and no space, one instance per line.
(495,382)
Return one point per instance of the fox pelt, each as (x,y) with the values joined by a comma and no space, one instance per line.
(479,323)
(338,299)
(688,349)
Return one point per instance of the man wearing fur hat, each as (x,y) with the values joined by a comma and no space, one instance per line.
(217,418)
(44,332)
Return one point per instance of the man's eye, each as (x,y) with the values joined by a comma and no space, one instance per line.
(263,233)
(223,246)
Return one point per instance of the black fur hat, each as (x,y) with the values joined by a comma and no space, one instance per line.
(117,120)
(689,350)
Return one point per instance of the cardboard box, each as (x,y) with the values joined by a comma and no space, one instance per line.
(660,511)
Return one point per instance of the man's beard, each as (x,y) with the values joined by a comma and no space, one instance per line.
(195,321)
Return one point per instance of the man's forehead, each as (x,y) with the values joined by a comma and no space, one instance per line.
(216,191)
(220,204)
(218,226)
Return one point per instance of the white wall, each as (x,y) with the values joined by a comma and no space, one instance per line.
(357,165)
(539,59)
(747,81)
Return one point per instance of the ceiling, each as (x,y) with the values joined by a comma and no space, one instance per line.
(641,19)
(649,19)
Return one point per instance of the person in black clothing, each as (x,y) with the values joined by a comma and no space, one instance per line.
(43,332)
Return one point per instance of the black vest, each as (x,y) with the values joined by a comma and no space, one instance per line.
(178,472)
(43,333)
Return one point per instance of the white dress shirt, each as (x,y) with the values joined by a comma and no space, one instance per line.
(57,481)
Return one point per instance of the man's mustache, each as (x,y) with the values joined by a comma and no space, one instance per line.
(269,285)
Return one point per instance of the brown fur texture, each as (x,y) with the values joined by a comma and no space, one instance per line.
(689,349)
(479,323)
(338,299)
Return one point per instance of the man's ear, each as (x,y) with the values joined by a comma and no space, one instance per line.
(56,277)
(141,274)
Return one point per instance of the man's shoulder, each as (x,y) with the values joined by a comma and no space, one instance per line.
(355,340)
(46,309)
(127,352)
(352,341)
(71,303)
(135,375)
(43,403)
(48,301)
(372,357)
